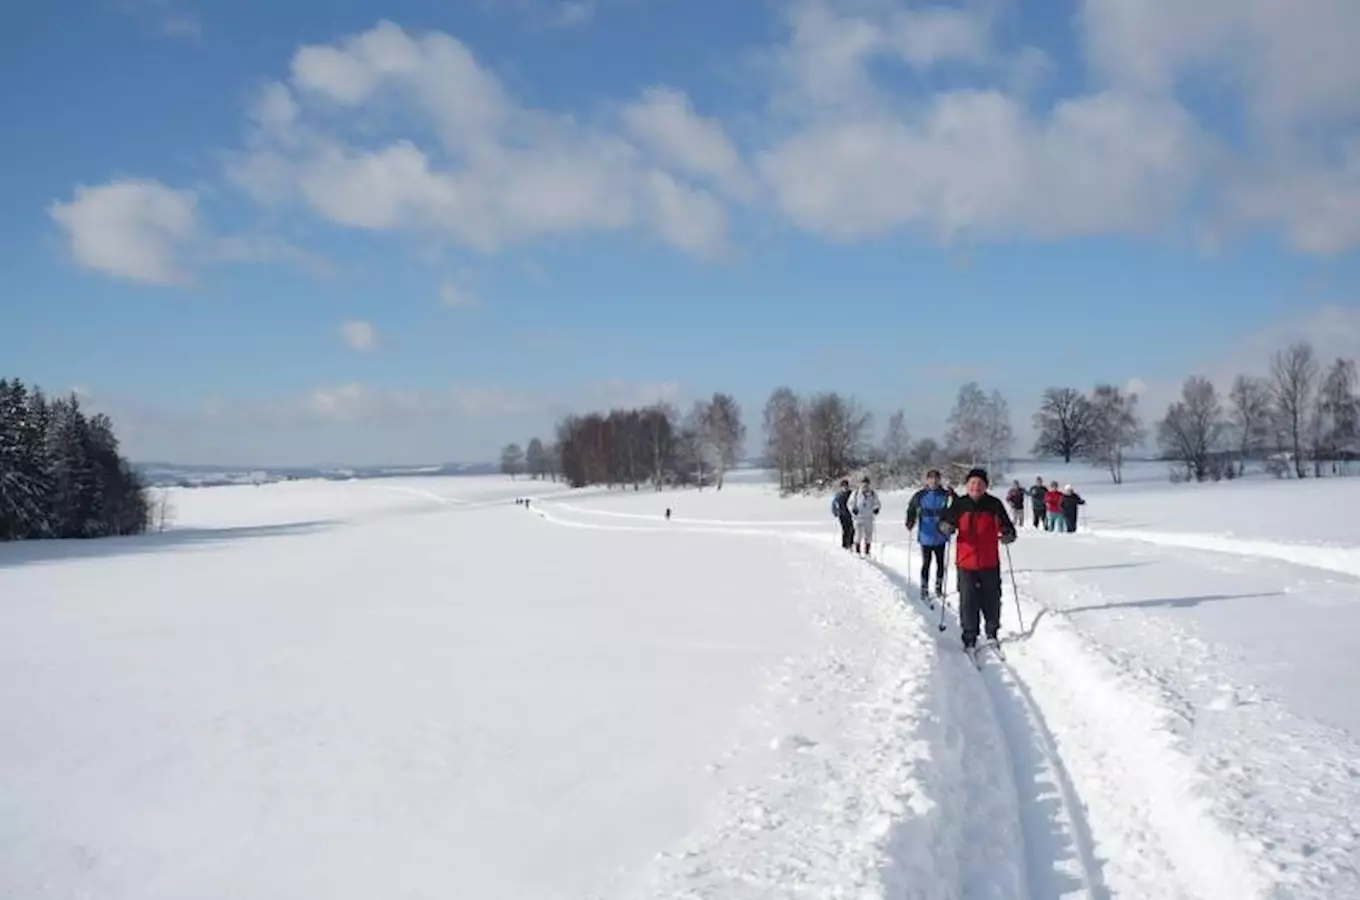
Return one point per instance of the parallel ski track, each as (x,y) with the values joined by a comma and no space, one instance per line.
(1080,830)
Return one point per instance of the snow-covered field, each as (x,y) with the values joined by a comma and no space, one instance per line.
(414,688)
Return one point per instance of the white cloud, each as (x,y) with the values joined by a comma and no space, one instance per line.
(136,229)
(1293,69)
(664,121)
(455,297)
(166,18)
(359,335)
(500,173)
(977,163)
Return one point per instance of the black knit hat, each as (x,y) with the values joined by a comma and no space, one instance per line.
(978,473)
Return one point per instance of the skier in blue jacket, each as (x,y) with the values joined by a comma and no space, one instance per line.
(925,507)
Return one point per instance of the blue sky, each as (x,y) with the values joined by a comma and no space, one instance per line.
(413,231)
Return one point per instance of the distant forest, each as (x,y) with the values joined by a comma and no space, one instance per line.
(61,475)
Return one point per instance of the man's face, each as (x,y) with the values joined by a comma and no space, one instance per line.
(932,480)
(976,487)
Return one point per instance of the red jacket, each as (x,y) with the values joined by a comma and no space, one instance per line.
(1053,501)
(979,525)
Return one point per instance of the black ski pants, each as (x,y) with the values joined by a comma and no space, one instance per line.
(979,598)
(928,553)
(1040,514)
(847,531)
(1018,514)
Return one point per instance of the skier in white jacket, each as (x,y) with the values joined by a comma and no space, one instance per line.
(864,506)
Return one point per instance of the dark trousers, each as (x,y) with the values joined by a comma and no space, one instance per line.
(847,532)
(1018,514)
(979,597)
(1071,518)
(1040,516)
(936,553)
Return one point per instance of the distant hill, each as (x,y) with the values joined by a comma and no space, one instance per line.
(189,475)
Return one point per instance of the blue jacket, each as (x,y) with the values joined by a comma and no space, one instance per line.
(926,505)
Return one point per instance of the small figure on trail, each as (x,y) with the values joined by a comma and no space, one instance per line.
(1053,504)
(668,514)
(1070,501)
(865,506)
(925,506)
(1015,498)
(982,525)
(1037,493)
(840,508)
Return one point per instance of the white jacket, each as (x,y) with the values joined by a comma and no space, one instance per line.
(865,505)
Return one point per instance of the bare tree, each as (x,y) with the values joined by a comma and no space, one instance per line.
(659,428)
(1116,429)
(896,445)
(512,460)
(695,444)
(966,439)
(1293,373)
(783,426)
(838,431)
(1063,424)
(980,430)
(926,454)
(726,433)
(162,509)
(1339,413)
(536,459)
(1193,428)
(1250,416)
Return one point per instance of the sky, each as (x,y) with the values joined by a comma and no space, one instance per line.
(263,233)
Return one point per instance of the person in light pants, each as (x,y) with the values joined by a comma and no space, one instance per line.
(865,506)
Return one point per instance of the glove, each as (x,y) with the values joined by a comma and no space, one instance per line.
(1008,539)
(945,528)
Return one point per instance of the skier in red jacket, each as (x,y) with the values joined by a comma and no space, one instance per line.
(982,524)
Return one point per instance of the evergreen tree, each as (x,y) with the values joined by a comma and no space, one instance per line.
(61,474)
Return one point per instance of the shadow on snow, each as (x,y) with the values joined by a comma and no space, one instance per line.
(19,553)
(1168,602)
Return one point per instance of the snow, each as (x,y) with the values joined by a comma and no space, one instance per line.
(413,687)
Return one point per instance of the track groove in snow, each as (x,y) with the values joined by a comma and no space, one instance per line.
(1344,560)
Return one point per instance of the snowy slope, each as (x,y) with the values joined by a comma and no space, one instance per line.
(416,688)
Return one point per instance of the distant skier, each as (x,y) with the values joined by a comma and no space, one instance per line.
(925,506)
(1037,493)
(668,514)
(840,508)
(1070,501)
(865,506)
(1053,506)
(1015,498)
(982,525)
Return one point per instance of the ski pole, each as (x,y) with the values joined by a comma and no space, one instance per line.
(1020,616)
(944,583)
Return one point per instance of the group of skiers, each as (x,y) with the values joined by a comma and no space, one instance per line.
(980,523)
(1052,509)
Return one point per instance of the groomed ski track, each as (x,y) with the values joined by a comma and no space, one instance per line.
(1049,775)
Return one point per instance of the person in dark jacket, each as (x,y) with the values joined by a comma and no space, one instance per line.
(840,508)
(1070,501)
(925,506)
(1036,502)
(1015,499)
(980,521)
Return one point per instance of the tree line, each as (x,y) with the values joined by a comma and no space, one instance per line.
(652,445)
(61,474)
(1303,416)
(809,440)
